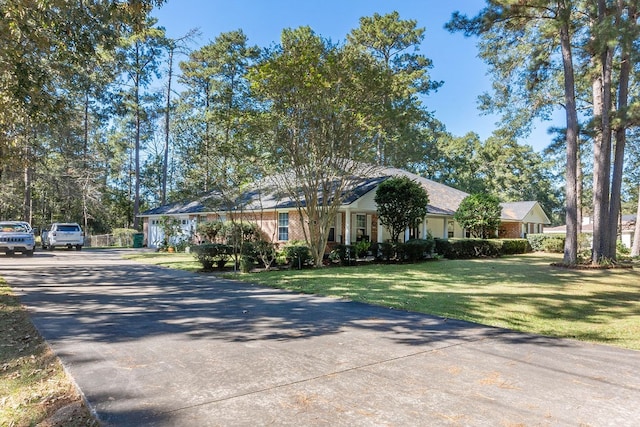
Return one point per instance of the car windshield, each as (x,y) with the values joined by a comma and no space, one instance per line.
(13,228)
(68,228)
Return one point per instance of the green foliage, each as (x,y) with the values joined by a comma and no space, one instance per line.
(474,248)
(514,246)
(480,214)
(546,242)
(537,241)
(171,229)
(123,236)
(554,245)
(210,230)
(210,254)
(401,203)
(415,250)
(297,253)
(346,254)
(362,247)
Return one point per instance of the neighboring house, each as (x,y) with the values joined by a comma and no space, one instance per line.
(522,218)
(626,229)
(357,218)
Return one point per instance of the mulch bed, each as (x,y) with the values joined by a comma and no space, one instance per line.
(592,266)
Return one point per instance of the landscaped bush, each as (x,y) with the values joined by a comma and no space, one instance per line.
(297,253)
(415,250)
(362,248)
(346,254)
(443,247)
(515,246)
(211,254)
(539,241)
(123,237)
(555,245)
(472,248)
(386,251)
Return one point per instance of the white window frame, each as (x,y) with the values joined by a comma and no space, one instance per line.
(283,226)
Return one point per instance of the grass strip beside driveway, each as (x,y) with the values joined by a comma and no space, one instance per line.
(34,389)
(524,293)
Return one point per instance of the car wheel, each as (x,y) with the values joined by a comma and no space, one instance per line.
(9,253)
(28,253)
(51,247)
(78,247)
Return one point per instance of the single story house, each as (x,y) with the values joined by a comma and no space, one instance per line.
(357,217)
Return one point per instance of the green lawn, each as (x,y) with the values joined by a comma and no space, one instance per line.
(523,293)
(33,384)
(180,261)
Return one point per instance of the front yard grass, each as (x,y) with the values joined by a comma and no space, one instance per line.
(180,261)
(33,385)
(523,293)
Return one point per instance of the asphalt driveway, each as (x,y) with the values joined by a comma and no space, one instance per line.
(150,346)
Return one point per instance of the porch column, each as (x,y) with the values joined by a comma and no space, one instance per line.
(407,232)
(379,237)
(445,233)
(424,228)
(347,226)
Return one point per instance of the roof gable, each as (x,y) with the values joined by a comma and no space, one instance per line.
(520,211)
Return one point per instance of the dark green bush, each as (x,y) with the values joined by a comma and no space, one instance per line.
(418,249)
(209,254)
(537,241)
(443,247)
(297,253)
(345,253)
(515,246)
(555,244)
(473,248)
(386,251)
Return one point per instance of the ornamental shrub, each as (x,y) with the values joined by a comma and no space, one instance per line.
(297,253)
(515,246)
(345,253)
(210,254)
(443,247)
(554,244)
(418,249)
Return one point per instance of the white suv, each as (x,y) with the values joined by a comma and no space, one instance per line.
(63,234)
(16,236)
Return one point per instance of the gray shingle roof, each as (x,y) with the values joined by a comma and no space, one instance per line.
(264,195)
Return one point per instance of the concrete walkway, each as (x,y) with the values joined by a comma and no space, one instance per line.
(154,347)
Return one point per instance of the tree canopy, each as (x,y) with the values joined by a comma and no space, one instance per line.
(402,203)
(479,214)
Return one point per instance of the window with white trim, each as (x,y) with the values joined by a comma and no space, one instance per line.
(283,226)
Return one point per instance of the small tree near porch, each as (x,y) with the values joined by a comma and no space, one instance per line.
(401,203)
(480,214)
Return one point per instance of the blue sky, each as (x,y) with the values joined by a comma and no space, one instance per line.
(454,56)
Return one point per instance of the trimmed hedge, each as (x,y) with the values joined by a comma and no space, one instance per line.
(297,253)
(209,254)
(475,248)
(515,246)
(539,243)
(415,250)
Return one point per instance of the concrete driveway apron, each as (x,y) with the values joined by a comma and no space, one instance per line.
(149,346)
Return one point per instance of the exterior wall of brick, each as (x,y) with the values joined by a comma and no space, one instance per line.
(509,230)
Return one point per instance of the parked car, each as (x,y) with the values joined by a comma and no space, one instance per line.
(16,236)
(63,234)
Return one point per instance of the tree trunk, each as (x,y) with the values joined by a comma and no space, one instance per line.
(163,198)
(635,249)
(602,149)
(571,242)
(136,203)
(623,103)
